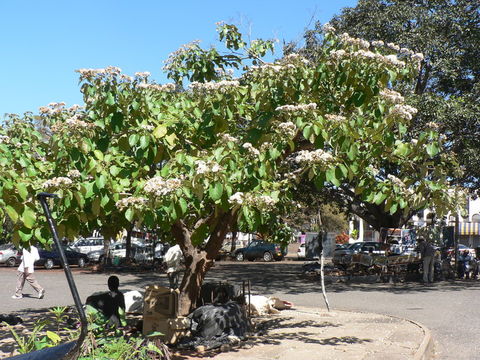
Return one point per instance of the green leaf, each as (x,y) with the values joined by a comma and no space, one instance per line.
(379,198)
(22,191)
(129,214)
(330,176)
(160,131)
(54,337)
(100,181)
(28,217)
(393,209)
(432,149)
(183,205)
(110,99)
(98,154)
(12,213)
(216,191)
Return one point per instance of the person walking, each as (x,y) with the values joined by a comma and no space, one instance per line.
(25,272)
(174,259)
(427,252)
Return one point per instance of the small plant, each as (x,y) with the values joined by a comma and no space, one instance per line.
(35,340)
(60,315)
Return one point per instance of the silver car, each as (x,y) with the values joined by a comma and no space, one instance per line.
(9,255)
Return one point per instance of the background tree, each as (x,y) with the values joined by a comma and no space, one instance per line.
(447,88)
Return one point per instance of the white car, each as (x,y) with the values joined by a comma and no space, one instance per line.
(88,245)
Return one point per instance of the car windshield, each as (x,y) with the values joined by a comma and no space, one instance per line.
(354,246)
(5,246)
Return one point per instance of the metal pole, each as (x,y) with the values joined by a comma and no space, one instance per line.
(455,246)
(42,197)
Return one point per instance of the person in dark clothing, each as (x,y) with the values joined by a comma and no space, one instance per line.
(427,252)
(111,304)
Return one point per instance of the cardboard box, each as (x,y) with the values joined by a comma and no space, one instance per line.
(172,329)
(160,301)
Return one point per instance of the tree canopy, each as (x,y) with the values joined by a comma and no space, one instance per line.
(221,152)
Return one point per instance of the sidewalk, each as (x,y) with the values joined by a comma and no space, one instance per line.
(303,334)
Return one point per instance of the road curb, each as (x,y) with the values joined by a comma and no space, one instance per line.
(426,350)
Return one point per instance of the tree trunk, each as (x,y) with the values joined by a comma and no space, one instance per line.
(198,262)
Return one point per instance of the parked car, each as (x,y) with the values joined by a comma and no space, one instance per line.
(342,257)
(259,249)
(51,258)
(301,251)
(9,255)
(88,244)
(140,252)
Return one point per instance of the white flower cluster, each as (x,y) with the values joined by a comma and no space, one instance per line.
(222,86)
(295,108)
(131,202)
(392,97)
(368,55)
(266,146)
(249,147)
(414,142)
(418,57)
(74,174)
(361,43)
(58,182)
(396,181)
(289,129)
(207,167)
(261,202)
(228,138)
(432,125)
(378,43)
(236,199)
(169,87)
(338,54)
(75,107)
(327,28)
(373,170)
(126,78)
(52,108)
(403,111)
(314,157)
(142,74)
(158,186)
(73,125)
(393,60)
(88,73)
(335,118)
(147,128)
(4,139)
(393,46)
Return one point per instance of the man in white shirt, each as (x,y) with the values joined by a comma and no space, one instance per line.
(174,259)
(25,272)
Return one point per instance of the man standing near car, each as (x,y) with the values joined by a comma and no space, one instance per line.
(427,252)
(25,272)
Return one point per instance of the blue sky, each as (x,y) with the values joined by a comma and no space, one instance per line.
(42,42)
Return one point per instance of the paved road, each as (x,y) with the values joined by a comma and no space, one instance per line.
(450,310)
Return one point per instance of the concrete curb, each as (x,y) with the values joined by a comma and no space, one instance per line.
(426,350)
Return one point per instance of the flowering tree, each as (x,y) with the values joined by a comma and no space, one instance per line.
(225,152)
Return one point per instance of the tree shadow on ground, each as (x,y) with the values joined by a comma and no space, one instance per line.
(274,331)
